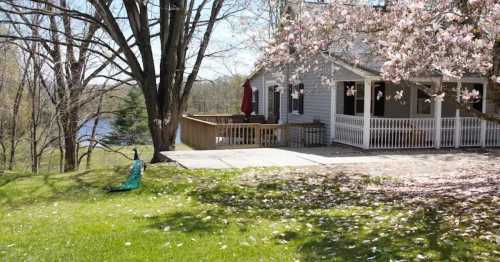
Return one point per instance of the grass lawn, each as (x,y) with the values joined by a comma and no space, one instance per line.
(181,215)
(101,158)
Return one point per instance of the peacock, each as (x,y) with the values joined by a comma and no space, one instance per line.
(134,177)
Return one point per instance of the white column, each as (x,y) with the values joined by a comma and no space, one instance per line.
(333,110)
(483,122)
(438,108)
(458,122)
(367,114)
(263,95)
(265,103)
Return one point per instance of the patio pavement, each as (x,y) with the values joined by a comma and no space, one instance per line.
(321,156)
(271,157)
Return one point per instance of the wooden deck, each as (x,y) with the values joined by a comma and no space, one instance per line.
(210,132)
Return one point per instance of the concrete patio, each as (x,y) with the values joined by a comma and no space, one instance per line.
(257,157)
(320,156)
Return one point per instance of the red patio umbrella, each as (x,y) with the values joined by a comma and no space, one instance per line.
(246,102)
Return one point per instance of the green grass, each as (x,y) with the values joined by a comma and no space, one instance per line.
(101,158)
(182,215)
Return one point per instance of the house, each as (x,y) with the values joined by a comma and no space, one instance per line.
(367,120)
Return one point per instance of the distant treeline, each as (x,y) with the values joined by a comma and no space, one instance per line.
(222,95)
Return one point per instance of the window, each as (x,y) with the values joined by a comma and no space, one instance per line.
(296,99)
(255,102)
(359,98)
(354,98)
(478,105)
(423,103)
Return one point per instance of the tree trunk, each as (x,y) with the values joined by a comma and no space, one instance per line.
(70,130)
(15,114)
(60,145)
(3,156)
(34,130)
(93,136)
(163,138)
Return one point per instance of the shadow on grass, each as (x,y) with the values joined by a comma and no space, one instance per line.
(80,186)
(346,221)
(190,222)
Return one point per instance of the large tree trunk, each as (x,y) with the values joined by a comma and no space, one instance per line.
(70,130)
(164,136)
(162,126)
(163,140)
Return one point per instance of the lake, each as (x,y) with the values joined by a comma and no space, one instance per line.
(104,128)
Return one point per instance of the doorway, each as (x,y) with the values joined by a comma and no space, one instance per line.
(273,102)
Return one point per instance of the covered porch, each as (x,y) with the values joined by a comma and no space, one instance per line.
(368,120)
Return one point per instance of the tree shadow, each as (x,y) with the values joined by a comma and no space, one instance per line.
(79,186)
(369,223)
(189,222)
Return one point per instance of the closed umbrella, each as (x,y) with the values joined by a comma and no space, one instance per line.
(246,102)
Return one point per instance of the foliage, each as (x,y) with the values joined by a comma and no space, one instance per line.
(407,39)
(247,215)
(130,126)
(222,95)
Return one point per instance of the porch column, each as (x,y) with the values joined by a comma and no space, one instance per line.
(458,122)
(483,122)
(333,110)
(438,108)
(367,114)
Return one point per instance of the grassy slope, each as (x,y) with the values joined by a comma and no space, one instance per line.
(100,157)
(182,215)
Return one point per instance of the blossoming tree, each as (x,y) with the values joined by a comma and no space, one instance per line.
(449,38)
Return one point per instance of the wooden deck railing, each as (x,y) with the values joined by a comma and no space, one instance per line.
(200,132)
(229,119)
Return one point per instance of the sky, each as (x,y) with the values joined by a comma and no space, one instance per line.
(229,34)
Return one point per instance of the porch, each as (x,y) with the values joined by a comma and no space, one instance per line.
(211,132)
(362,120)
(408,133)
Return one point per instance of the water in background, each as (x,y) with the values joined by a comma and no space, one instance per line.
(104,128)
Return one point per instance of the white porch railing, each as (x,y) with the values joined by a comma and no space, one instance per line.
(470,132)
(408,133)
(393,133)
(448,131)
(349,130)
(492,138)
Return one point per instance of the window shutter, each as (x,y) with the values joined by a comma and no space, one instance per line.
(290,90)
(256,103)
(301,99)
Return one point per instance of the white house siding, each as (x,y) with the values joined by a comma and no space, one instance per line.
(257,82)
(317,101)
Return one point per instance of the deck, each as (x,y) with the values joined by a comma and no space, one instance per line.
(214,132)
